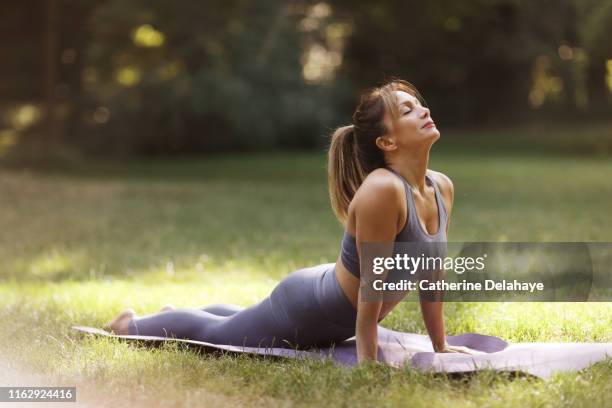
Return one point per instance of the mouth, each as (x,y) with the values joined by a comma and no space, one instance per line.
(428,124)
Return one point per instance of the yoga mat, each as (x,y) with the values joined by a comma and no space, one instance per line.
(398,348)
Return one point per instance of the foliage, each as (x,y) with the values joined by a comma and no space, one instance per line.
(159,77)
(228,75)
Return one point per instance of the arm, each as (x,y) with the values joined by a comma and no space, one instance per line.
(366,330)
(433,312)
(433,317)
(376,219)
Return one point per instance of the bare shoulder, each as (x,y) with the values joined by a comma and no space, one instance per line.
(379,193)
(376,208)
(378,185)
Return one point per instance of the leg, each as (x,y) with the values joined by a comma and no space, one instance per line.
(296,314)
(222,309)
(219,309)
(290,316)
(253,326)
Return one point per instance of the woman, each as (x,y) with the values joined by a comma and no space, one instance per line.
(382,191)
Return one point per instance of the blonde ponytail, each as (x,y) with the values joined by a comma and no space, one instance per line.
(344,171)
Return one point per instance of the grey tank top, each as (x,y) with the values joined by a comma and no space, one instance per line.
(413,231)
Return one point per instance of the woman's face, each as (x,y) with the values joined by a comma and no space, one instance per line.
(414,126)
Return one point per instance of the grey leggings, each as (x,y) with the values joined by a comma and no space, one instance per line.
(307,308)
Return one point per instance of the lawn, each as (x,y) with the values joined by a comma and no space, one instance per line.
(83,242)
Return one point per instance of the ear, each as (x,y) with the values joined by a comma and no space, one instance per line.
(386,143)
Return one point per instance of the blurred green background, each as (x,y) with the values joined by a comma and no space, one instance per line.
(158,77)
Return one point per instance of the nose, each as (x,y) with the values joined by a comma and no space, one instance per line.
(425,113)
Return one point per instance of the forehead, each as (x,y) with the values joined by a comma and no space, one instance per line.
(403,97)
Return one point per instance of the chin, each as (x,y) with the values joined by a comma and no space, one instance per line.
(433,133)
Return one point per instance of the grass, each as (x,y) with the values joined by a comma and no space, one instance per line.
(81,243)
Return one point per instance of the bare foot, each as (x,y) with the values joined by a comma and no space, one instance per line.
(167,308)
(121,323)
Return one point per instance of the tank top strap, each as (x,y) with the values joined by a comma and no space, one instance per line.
(411,219)
(439,201)
(407,191)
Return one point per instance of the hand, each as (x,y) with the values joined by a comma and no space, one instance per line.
(447,348)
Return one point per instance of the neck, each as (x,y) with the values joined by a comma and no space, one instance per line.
(412,167)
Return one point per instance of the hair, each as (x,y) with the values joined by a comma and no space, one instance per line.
(353,153)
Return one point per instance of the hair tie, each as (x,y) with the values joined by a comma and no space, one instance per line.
(352,131)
